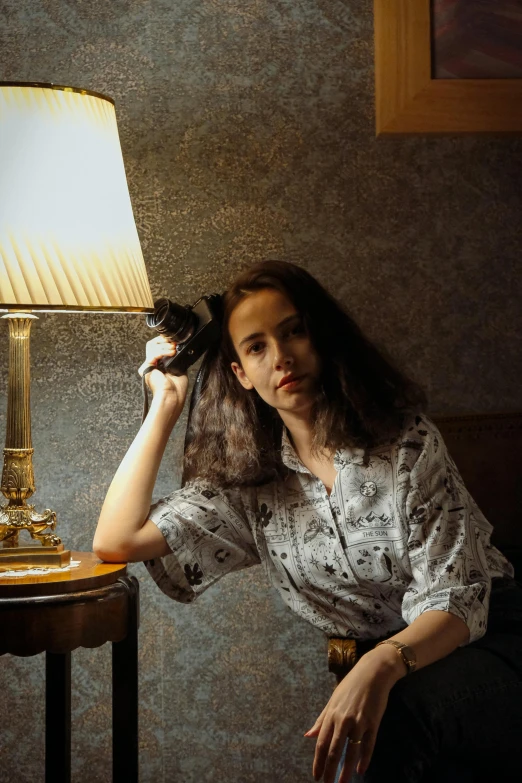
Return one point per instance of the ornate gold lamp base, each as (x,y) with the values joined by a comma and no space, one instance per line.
(24,557)
(14,519)
(17,475)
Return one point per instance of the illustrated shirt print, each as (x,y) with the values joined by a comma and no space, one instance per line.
(398,535)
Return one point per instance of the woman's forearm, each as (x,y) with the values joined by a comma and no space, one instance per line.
(129,497)
(432,635)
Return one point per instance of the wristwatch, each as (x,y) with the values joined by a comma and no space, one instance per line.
(406,653)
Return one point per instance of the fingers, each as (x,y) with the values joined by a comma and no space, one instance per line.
(158,348)
(325,751)
(349,763)
(329,753)
(348,759)
(160,343)
(143,367)
(368,744)
(317,725)
(161,339)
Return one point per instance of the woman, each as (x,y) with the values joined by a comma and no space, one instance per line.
(309,453)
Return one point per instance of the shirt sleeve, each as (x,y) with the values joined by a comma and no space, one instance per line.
(209,536)
(447,539)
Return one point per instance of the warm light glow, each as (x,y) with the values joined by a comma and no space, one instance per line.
(67,232)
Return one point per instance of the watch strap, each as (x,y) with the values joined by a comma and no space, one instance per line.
(406,653)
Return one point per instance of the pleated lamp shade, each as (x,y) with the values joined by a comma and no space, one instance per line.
(68,240)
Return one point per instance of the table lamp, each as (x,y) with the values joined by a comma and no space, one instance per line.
(68,243)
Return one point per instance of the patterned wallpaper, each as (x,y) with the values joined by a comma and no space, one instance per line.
(247,129)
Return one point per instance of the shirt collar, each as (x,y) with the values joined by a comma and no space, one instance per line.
(343,457)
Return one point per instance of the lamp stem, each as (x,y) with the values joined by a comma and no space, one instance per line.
(17,475)
(18,434)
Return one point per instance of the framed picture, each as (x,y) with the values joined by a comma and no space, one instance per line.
(448,66)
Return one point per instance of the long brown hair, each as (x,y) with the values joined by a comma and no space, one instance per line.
(234,438)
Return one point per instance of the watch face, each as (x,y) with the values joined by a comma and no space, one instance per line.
(409,655)
(406,653)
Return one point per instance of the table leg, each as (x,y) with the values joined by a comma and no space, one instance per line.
(125,695)
(57,717)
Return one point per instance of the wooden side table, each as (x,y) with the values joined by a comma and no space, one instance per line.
(56,613)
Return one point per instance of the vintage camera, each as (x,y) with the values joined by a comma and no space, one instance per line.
(194,328)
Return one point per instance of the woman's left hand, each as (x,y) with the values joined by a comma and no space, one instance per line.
(355,710)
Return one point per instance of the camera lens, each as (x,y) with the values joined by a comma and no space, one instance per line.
(173,320)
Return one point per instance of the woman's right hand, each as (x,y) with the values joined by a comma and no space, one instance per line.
(173,386)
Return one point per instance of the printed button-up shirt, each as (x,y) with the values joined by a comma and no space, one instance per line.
(398,535)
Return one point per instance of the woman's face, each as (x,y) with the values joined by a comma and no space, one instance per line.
(272,344)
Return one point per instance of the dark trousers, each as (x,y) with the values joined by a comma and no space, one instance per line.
(459,720)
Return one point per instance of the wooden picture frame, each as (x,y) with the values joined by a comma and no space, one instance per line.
(409,100)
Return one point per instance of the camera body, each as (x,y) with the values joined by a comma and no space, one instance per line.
(193,327)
